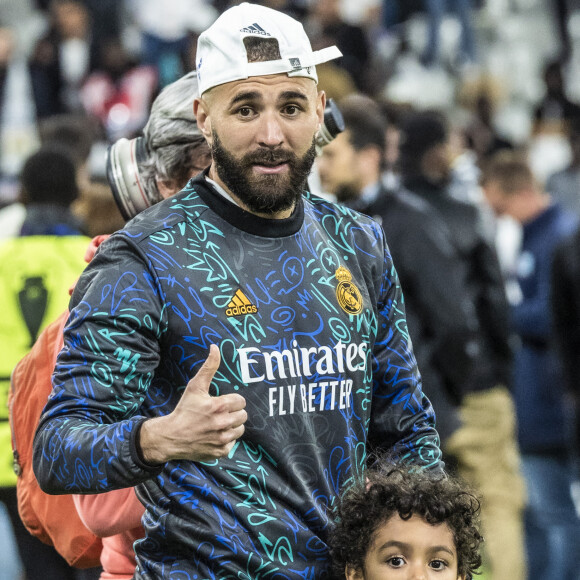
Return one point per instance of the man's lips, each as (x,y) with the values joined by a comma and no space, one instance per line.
(271,169)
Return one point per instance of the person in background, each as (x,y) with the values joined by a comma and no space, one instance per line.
(441,323)
(75,134)
(49,188)
(564,185)
(436,10)
(325,25)
(393,112)
(400,523)
(218,290)
(167,30)
(543,410)
(565,309)
(176,149)
(95,206)
(37,268)
(119,91)
(561,9)
(555,110)
(484,447)
(61,59)
(481,134)
(9,556)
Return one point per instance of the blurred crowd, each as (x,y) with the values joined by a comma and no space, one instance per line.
(108,60)
(442,110)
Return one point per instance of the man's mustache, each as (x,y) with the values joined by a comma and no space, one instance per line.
(269,157)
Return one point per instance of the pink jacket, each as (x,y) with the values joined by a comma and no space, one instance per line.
(114,516)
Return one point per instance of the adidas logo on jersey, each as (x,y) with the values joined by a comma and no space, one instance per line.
(240,305)
(255,29)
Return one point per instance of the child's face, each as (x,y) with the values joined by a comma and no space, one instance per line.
(409,550)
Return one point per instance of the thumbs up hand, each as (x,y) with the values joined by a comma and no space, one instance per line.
(201,427)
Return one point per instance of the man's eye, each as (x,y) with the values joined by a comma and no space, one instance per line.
(291,110)
(245,111)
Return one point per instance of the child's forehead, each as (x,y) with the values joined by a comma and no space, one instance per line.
(414,531)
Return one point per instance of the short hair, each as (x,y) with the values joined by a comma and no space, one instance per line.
(262,49)
(175,162)
(510,170)
(364,121)
(75,132)
(395,490)
(49,176)
(175,144)
(420,132)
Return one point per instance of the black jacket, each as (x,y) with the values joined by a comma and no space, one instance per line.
(484,282)
(441,321)
(565,305)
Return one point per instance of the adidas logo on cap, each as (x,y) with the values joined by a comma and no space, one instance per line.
(240,305)
(255,29)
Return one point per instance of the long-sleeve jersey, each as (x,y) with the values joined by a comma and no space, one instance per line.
(309,319)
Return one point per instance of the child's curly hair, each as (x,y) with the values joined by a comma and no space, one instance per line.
(365,507)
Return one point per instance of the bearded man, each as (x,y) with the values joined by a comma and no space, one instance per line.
(239,350)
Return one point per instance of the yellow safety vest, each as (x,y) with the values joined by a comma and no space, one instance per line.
(36,273)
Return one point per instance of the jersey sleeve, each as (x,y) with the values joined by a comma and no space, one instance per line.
(87,434)
(402,418)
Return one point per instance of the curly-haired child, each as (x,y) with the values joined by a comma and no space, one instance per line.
(404,524)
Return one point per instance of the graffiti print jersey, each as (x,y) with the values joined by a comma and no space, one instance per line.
(308,316)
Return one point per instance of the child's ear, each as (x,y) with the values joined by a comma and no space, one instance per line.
(351,573)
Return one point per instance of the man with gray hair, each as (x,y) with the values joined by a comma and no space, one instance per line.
(238,351)
(147,169)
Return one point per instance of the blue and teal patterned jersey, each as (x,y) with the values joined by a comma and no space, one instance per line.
(309,319)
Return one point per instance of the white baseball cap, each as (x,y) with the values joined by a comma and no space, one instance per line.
(222,57)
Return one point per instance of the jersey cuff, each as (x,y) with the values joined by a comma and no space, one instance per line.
(137,453)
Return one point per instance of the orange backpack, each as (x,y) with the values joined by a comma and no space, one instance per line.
(51,518)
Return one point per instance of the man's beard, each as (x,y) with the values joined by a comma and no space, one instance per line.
(266,193)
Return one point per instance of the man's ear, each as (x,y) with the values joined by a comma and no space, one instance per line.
(166,188)
(372,155)
(201,112)
(320,106)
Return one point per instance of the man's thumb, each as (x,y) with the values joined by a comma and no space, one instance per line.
(202,380)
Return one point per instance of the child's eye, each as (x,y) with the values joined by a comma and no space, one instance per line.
(438,564)
(396,561)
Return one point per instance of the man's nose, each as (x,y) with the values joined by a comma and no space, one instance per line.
(270,132)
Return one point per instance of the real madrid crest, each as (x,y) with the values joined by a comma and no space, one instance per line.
(348,295)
